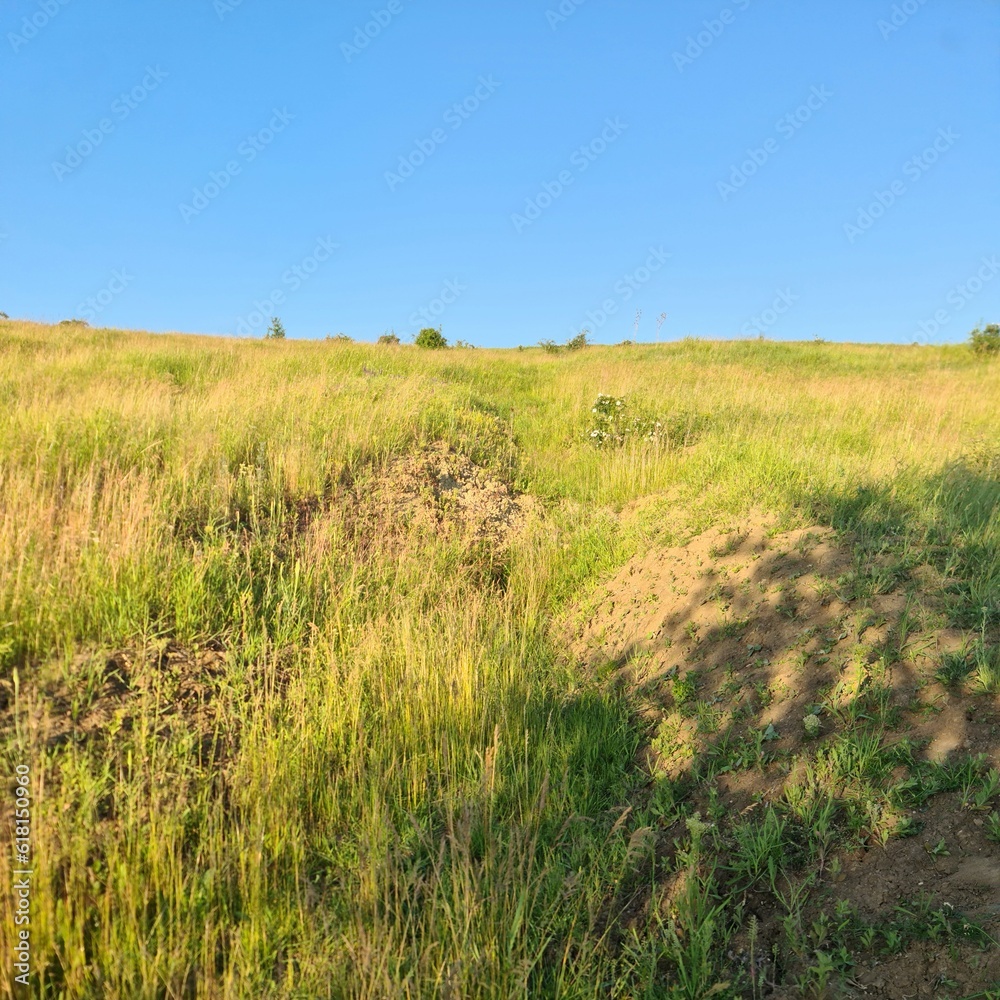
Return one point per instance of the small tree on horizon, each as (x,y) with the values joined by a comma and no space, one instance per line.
(276,331)
(431,337)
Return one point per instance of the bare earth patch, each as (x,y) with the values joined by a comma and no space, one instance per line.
(750,651)
(96,697)
(750,618)
(441,492)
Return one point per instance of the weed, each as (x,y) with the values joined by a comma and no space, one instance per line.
(938,850)
(759,852)
(993,827)
(615,422)
(987,668)
(978,793)
(734,628)
(684,690)
(954,669)
(812,725)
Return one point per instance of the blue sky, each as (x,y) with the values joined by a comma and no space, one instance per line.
(511,171)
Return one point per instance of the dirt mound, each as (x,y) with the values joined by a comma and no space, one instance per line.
(755,653)
(444,493)
(747,615)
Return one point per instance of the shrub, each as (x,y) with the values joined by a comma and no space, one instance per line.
(3,315)
(986,341)
(341,337)
(431,338)
(465,344)
(388,338)
(614,423)
(276,330)
(71,322)
(576,343)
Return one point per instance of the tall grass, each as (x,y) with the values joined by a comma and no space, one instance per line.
(402,788)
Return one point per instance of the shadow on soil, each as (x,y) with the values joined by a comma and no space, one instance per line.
(826,699)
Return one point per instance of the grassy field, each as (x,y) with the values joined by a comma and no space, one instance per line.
(286,740)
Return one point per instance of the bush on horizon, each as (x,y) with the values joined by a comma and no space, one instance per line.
(431,338)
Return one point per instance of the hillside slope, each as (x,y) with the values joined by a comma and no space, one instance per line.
(317,661)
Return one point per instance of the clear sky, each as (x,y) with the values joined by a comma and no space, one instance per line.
(513,171)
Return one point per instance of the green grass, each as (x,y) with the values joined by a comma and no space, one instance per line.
(397,784)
